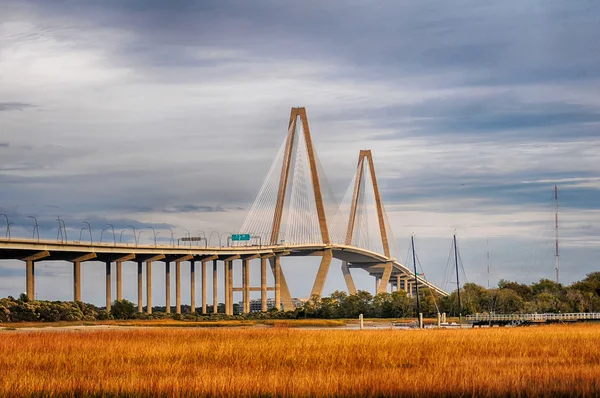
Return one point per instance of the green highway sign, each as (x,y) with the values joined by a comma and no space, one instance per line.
(238,237)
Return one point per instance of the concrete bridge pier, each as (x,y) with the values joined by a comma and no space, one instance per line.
(230,285)
(192,286)
(317,289)
(140,285)
(263,284)
(77,274)
(246,285)
(108,285)
(30,279)
(214,288)
(30,272)
(348,278)
(76,281)
(178,287)
(168,286)
(278,282)
(382,287)
(149,287)
(119,280)
(203,272)
(226,285)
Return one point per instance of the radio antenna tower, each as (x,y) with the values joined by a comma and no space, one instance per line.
(556,229)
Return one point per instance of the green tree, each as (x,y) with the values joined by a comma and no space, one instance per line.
(383,305)
(402,305)
(524,291)
(508,301)
(123,309)
(355,304)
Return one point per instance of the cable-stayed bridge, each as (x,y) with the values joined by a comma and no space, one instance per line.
(294,214)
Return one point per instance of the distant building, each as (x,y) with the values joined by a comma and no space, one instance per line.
(256,304)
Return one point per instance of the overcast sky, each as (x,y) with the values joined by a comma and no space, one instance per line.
(169,114)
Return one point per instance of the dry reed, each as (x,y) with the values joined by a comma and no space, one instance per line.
(537,361)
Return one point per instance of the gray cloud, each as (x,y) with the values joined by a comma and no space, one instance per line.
(14,106)
(189,208)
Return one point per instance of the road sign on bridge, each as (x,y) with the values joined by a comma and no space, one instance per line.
(240,237)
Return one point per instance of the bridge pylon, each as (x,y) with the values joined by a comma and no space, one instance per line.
(290,208)
(365,176)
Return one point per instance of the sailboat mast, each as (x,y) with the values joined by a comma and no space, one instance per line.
(556,229)
(457,281)
(412,242)
(487,242)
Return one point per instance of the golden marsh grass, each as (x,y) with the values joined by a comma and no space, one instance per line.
(537,361)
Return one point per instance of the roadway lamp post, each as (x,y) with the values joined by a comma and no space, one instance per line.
(64,227)
(203,238)
(102,233)
(221,239)
(135,238)
(35,228)
(113,232)
(60,230)
(138,238)
(172,241)
(154,233)
(89,229)
(81,233)
(7,225)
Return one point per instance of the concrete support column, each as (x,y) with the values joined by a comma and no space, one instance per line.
(246,285)
(398,281)
(192,286)
(108,285)
(178,287)
(317,289)
(377,284)
(277,283)
(30,279)
(385,279)
(214,288)
(76,281)
(263,284)
(149,287)
(226,286)
(203,272)
(348,278)
(119,280)
(230,287)
(168,287)
(140,284)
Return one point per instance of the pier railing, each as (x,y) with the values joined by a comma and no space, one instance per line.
(577,316)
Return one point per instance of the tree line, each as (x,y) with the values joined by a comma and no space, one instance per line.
(544,296)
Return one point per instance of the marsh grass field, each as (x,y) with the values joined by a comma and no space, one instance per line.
(280,361)
(171,323)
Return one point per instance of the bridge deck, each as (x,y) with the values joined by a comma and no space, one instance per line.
(20,248)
